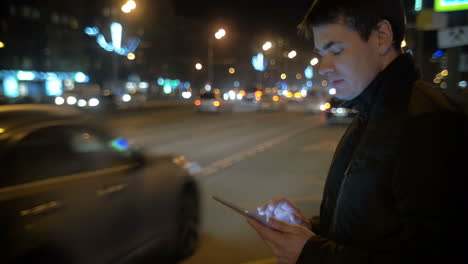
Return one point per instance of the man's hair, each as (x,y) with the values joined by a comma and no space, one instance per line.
(360,15)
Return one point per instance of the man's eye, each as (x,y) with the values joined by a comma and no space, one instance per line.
(338,52)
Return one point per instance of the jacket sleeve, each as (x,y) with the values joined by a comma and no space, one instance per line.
(324,251)
(428,196)
(315,224)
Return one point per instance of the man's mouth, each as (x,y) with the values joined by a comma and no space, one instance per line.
(336,82)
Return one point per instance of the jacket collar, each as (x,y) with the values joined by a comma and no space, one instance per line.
(397,74)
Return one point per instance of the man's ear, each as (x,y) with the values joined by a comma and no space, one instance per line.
(385,37)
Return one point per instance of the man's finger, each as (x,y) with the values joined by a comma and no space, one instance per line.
(287,205)
(269,206)
(283,226)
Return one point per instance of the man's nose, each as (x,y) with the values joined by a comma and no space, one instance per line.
(326,66)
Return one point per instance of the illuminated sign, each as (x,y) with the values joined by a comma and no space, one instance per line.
(116,36)
(418,5)
(309,72)
(450,5)
(116,33)
(259,62)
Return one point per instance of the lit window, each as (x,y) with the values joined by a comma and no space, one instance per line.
(13,10)
(36,14)
(54,18)
(26,11)
(74,23)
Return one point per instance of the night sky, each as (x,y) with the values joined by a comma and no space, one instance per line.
(260,15)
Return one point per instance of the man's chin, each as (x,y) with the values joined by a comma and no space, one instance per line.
(344,97)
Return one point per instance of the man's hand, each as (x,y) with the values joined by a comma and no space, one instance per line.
(287,243)
(282,209)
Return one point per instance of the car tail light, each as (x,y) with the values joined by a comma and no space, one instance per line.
(197,102)
(325,107)
(216,103)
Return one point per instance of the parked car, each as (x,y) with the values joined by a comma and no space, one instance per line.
(70,192)
(334,113)
(211,102)
(271,103)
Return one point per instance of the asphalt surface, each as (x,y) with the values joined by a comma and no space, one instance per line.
(244,157)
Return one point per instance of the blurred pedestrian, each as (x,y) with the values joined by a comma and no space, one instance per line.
(395,189)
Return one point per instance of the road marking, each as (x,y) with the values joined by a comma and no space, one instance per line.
(240,156)
(261,261)
(326,146)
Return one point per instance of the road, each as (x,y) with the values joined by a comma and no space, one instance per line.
(246,158)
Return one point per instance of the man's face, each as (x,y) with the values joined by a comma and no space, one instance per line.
(349,62)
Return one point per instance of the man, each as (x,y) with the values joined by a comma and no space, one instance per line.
(395,189)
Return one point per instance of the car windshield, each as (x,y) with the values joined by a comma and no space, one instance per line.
(207,96)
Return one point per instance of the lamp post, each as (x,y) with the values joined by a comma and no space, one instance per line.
(267,46)
(218,35)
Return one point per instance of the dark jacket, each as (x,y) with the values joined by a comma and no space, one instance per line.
(394,190)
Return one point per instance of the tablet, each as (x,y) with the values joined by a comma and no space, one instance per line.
(242,211)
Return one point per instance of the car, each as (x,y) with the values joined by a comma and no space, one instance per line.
(335,114)
(211,102)
(71,192)
(313,101)
(271,103)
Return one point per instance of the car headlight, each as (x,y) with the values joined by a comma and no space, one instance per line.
(71,100)
(59,100)
(82,103)
(126,98)
(341,110)
(93,102)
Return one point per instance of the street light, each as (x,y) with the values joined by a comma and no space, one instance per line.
(314,61)
(232,70)
(2,45)
(129,6)
(131,56)
(218,35)
(198,66)
(403,43)
(267,46)
(292,54)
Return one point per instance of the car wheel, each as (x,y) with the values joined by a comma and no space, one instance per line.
(188,215)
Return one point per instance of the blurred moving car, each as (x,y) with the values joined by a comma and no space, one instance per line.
(333,113)
(271,103)
(247,103)
(313,101)
(211,102)
(72,193)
